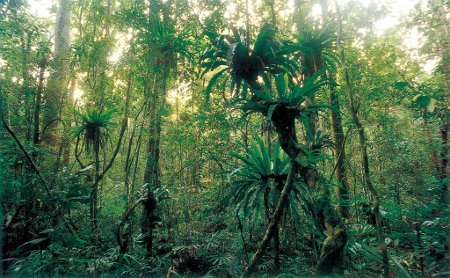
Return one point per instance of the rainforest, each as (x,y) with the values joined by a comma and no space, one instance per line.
(224,138)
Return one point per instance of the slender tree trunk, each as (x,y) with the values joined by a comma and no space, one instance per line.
(339,139)
(247,22)
(65,146)
(57,82)
(94,194)
(364,154)
(37,107)
(272,12)
(434,157)
(151,173)
(340,156)
(273,226)
(276,247)
(160,66)
(27,81)
(445,53)
(151,178)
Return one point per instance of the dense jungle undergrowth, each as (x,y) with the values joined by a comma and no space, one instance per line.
(213,138)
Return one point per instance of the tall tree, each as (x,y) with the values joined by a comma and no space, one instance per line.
(340,157)
(57,85)
(160,61)
(363,148)
(432,20)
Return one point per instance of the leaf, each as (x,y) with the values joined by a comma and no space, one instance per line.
(265,155)
(280,82)
(258,157)
(404,272)
(387,240)
(422,100)
(400,85)
(262,95)
(416,97)
(212,81)
(33,242)
(270,112)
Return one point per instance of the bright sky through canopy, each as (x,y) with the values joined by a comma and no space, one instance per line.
(395,10)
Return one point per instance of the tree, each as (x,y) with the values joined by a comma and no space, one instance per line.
(364,154)
(57,88)
(432,20)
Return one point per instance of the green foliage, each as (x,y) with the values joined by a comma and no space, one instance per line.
(269,55)
(94,128)
(424,101)
(317,49)
(291,98)
(152,51)
(258,175)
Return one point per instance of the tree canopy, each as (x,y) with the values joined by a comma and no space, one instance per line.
(212,138)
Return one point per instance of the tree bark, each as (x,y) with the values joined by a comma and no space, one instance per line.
(151,173)
(57,82)
(445,53)
(340,156)
(37,108)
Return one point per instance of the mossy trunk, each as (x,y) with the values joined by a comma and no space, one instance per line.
(340,156)
(151,176)
(331,259)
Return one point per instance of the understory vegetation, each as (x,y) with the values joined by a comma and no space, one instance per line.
(212,138)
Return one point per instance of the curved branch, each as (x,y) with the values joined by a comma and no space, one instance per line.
(125,215)
(44,129)
(270,232)
(77,154)
(22,148)
(122,131)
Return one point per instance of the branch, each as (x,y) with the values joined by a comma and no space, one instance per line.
(122,131)
(22,148)
(30,160)
(282,202)
(77,154)
(125,215)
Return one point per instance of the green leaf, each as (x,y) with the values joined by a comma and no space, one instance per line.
(262,95)
(212,81)
(270,112)
(280,82)
(265,155)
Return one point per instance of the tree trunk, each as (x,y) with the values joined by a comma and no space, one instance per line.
(151,173)
(273,226)
(94,195)
(339,139)
(37,107)
(340,156)
(434,157)
(445,53)
(364,154)
(57,82)
(66,140)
